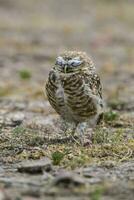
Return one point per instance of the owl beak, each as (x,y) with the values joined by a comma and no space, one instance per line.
(65,68)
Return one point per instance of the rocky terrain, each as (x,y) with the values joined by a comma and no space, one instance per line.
(37,160)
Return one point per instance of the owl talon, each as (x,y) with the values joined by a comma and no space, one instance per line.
(87,142)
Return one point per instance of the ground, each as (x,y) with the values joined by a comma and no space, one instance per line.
(37,161)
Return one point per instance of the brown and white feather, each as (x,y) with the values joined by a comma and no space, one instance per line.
(75,96)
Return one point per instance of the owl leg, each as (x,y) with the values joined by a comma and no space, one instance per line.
(84,135)
(69,129)
(100,119)
(72,133)
(64,127)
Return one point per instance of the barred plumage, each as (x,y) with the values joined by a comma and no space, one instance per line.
(74,89)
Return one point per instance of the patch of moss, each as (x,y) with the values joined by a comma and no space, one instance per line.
(27,136)
(103,136)
(110,116)
(97,193)
(18,130)
(100,136)
(35,153)
(25,74)
(57,157)
(80,160)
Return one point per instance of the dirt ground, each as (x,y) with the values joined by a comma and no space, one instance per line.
(37,161)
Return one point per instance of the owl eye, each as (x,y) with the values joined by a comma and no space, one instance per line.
(74,62)
(60,61)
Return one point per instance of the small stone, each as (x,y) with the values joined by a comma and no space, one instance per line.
(14,119)
(94,180)
(37,106)
(93,172)
(67,179)
(17,118)
(118,124)
(108,164)
(46,176)
(20,106)
(35,166)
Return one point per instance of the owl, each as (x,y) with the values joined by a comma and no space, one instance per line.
(74,90)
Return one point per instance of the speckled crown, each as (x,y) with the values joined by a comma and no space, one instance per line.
(83,56)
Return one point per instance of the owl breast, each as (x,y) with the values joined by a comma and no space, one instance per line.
(70,96)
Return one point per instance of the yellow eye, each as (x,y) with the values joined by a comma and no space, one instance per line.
(75,62)
(60,61)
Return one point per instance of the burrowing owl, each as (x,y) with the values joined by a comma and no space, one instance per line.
(74,90)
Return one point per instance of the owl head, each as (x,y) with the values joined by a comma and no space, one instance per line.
(73,61)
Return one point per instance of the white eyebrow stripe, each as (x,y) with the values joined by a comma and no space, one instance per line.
(76,58)
(60,57)
(60,61)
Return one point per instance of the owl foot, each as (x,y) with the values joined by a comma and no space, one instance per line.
(69,131)
(86,139)
(86,142)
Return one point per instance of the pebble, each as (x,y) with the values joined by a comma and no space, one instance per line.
(17,118)
(67,179)
(14,119)
(35,166)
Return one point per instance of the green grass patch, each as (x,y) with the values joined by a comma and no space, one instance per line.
(97,193)
(108,145)
(18,130)
(25,74)
(27,136)
(57,157)
(110,116)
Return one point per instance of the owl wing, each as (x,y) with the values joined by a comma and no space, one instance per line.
(94,83)
(51,89)
(95,90)
(94,87)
